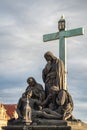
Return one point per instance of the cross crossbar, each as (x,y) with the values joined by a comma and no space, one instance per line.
(66,34)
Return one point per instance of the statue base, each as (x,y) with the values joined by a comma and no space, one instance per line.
(45,124)
(39,127)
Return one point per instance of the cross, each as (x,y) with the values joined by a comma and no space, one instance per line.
(62,35)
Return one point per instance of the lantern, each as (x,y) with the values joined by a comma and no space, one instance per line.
(61,24)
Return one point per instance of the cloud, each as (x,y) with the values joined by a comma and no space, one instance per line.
(80,110)
(22,25)
(10,94)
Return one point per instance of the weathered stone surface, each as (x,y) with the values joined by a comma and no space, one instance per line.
(37,127)
(50,122)
(50,125)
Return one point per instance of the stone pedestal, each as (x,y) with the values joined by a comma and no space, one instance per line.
(49,125)
(52,127)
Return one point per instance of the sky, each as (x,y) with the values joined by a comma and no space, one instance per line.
(22,26)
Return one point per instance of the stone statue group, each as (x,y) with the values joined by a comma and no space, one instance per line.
(52,103)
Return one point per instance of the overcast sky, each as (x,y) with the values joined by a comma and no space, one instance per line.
(22,26)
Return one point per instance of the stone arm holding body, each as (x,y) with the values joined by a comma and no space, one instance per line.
(49,102)
(61,98)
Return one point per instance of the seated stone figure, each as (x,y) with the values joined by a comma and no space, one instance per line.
(37,89)
(35,94)
(63,102)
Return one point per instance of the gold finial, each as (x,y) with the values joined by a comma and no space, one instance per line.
(63,17)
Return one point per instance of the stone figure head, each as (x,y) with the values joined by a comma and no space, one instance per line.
(31,81)
(49,56)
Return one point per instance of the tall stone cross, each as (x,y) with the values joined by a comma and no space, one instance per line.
(62,35)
